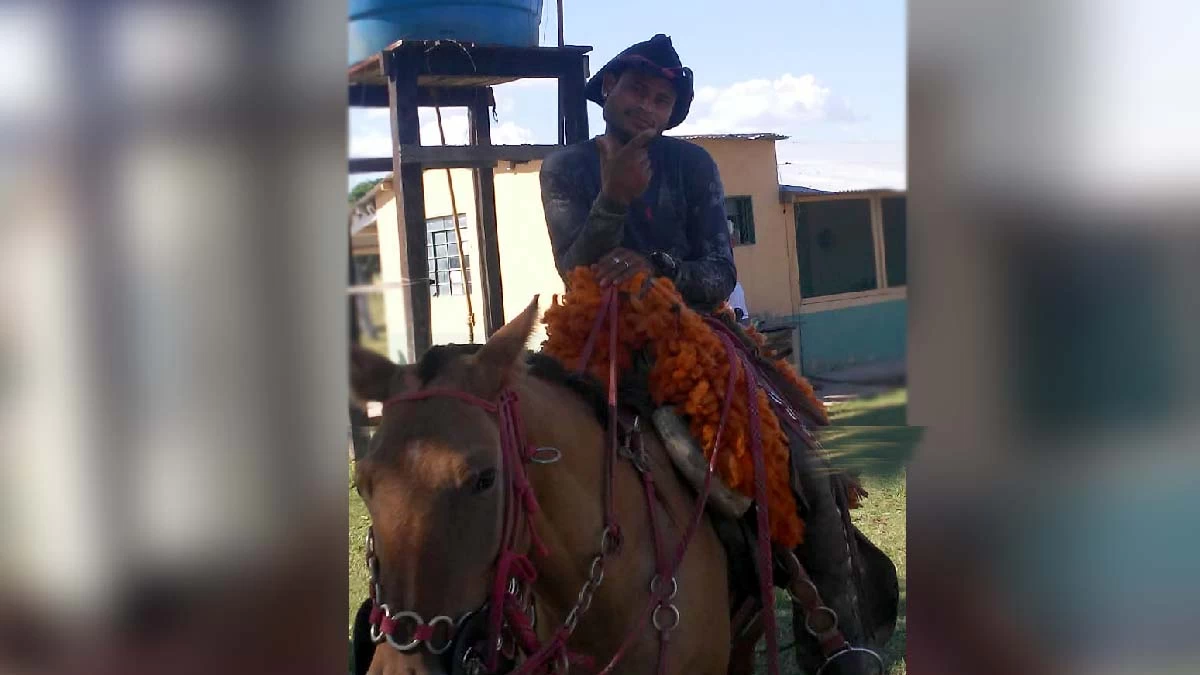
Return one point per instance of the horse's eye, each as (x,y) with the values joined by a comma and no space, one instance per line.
(486,479)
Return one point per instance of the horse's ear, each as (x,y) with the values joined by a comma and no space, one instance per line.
(373,376)
(504,351)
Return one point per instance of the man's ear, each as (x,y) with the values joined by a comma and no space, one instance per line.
(607,84)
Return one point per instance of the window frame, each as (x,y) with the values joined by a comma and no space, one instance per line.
(862,205)
(748,213)
(432,259)
(882,291)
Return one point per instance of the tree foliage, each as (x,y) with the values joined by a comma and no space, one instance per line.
(357,192)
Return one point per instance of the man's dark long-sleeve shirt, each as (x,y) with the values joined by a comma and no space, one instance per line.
(682,213)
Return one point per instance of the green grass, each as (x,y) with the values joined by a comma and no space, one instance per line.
(867,433)
(358,566)
(881,518)
(870,434)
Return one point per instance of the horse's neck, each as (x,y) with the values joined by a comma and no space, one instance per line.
(570,490)
(572,518)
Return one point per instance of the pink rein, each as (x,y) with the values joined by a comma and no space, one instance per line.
(666,570)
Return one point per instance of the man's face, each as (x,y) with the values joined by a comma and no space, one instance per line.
(637,101)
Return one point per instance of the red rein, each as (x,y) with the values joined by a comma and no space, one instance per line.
(521,506)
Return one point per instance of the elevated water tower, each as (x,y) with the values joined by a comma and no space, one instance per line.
(408,54)
(376,24)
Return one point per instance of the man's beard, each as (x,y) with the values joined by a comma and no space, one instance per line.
(615,127)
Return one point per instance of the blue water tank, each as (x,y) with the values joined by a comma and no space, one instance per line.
(375,24)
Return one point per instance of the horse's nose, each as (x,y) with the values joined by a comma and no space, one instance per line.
(389,661)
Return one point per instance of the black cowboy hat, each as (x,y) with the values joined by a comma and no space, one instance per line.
(655,56)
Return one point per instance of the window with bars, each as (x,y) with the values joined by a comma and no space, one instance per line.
(448,275)
(835,247)
(740,214)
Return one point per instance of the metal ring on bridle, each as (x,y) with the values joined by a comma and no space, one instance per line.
(674,612)
(376,632)
(449,634)
(654,587)
(810,591)
(851,650)
(545,455)
(462,620)
(610,541)
(412,644)
(833,621)
(563,662)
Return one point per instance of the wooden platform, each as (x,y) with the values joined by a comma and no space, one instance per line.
(412,74)
(450,64)
(453,157)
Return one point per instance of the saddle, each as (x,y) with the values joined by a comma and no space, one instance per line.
(852,576)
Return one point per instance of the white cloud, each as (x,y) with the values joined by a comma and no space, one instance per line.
(801,106)
(454,123)
(371,132)
(505,103)
(786,105)
(511,133)
(837,166)
(370,137)
(529,83)
(512,95)
(764,105)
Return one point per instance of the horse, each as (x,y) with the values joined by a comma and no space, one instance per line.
(442,481)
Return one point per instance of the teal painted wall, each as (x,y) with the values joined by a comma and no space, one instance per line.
(839,338)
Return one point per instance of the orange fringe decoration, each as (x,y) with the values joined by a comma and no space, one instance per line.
(690,372)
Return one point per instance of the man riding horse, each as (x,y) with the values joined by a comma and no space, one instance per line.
(634,201)
(629,202)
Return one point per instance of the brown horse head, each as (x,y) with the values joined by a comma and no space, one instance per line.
(431,481)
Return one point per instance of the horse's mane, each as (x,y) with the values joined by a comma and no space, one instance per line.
(541,366)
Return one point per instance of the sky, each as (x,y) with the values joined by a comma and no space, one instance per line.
(829,74)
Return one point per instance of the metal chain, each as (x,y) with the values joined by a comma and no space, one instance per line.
(609,542)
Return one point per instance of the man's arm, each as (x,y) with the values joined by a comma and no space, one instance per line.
(708,275)
(581,229)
